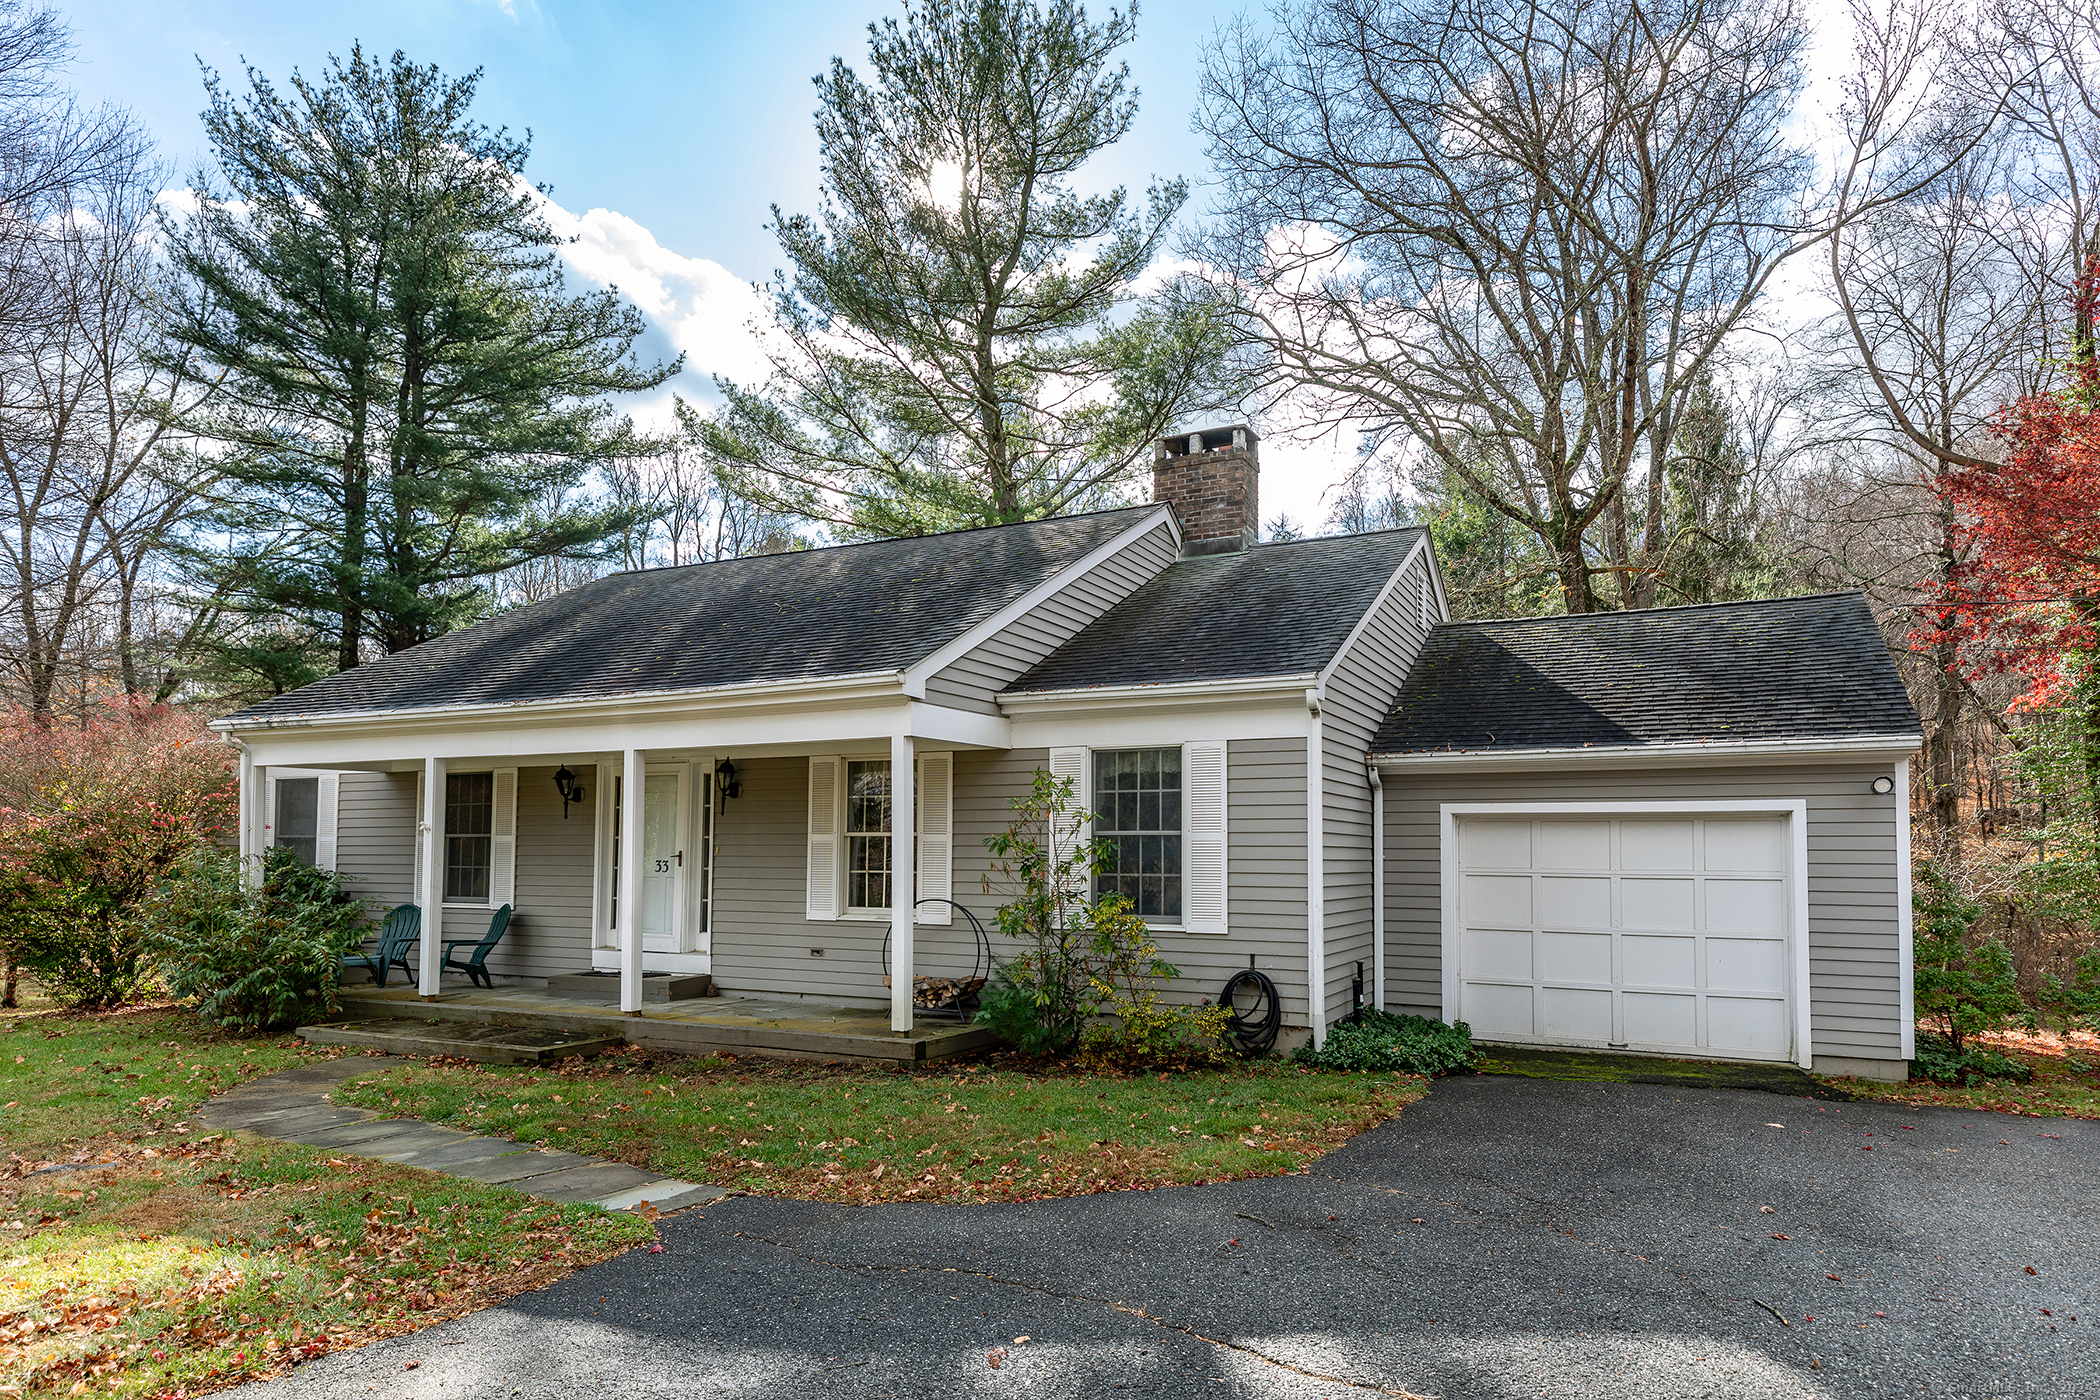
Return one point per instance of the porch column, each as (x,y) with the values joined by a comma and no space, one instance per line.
(634,779)
(250,819)
(430,831)
(903,843)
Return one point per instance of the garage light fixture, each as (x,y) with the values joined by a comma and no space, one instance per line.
(1884,785)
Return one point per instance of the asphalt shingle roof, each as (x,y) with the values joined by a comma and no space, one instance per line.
(1273,610)
(877,606)
(1787,668)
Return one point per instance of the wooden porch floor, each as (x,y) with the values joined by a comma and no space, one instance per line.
(776,1026)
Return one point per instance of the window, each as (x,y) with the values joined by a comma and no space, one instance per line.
(868,834)
(1137,810)
(470,816)
(297,824)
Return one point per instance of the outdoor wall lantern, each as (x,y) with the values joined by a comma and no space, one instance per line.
(726,780)
(571,791)
(1884,785)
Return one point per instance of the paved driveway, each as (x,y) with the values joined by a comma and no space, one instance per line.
(1505,1237)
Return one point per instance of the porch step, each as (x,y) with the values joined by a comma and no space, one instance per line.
(491,1045)
(656,986)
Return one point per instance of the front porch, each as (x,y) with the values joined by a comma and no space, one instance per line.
(781,1027)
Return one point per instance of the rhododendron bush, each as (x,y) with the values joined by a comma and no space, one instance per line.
(92,817)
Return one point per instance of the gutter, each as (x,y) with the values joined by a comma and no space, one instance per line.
(1724,751)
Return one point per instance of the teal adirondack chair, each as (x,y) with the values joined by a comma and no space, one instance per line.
(403,926)
(483,946)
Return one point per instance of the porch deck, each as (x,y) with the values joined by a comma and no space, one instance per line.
(776,1026)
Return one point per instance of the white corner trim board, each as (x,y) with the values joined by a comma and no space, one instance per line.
(1907,993)
(1452,814)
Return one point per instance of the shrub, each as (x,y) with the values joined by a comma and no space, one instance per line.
(92,817)
(1964,985)
(253,958)
(2077,1000)
(1383,1040)
(1938,1058)
(1141,1031)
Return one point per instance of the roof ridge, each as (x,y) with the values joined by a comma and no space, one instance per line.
(886,539)
(1669,608)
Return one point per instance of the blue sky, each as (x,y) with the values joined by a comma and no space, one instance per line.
(667,130)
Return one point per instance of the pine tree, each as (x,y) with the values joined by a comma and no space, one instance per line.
(960,343)
(405,376)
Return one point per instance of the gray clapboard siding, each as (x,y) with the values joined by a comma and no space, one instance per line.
(970,682)
(1360,692)
(552,931)
(1855,974)
(375,836)
(1265,872)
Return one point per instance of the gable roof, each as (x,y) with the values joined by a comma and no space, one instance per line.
(1272,610)
(1783,669)
(804,615)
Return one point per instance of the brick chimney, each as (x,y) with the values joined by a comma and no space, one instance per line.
(1212,479)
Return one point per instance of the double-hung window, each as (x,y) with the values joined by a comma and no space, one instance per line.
(868,834)
(470,812)
(297,821)
(1137,811)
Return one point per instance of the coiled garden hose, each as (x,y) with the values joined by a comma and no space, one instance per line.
(1253,1030)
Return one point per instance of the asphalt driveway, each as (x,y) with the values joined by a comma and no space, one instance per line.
(1505,1237)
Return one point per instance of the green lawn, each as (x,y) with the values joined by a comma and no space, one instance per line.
(981,1131)
(2066,1082)
(183,1261)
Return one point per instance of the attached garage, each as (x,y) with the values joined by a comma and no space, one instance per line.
(1646,927)
(1680,832)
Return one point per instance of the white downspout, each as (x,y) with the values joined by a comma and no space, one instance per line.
(1377,889)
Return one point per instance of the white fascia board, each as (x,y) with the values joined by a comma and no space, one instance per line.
(1363,623)
(966,728)
(1101,699)
(1869,748)
(1162,726)
(916,675)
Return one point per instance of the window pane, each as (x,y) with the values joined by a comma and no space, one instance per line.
(470,817)
(867,839)
(296,824)
(1137,811)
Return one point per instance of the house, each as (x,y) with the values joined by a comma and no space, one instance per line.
(1682,830)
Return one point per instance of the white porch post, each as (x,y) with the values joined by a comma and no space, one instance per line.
(430,830)
(634,779)
(250,817)
(903,841)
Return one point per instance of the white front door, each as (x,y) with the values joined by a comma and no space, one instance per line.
(663,858)
(1667,934)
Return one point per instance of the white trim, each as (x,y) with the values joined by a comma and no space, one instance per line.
(634,787)
(1316,878)
(1377,888)
(327,797)
(903,853)
(604,939)
(824,851)
(1363,624)
(503,837)
(1106,697)
(1639,755)
(847,909)
(430,896)
(1906,994)
(250,819)
(1205,840)
(1164,726)
(920,672)
(1794,809)
(1436,581)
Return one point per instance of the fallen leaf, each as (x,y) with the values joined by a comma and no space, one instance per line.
(1019,1340)
(1782,1237)
(997,1357)
(656,1248)
(2032,1270)
(410,1365)
(1881,1314)
(1833,1278)
(1764,1210)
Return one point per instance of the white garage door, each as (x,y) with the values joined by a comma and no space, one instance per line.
(1648,933)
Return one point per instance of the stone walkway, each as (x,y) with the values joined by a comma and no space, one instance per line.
(293,1106)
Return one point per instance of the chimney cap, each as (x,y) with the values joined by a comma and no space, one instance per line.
(1182,443)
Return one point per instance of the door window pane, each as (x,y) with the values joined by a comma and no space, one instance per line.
(868,834)
(1137,810)
(297,826)
(470,812)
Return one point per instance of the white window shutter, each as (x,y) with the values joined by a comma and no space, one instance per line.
(1071,763)
(1203,848)
(936,865)
(324,822)
(415,826)
(823,869)
(503,839)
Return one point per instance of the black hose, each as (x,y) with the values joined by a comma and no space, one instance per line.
(1252,1033)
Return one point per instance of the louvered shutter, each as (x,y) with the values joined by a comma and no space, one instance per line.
(503,839)
(823,865)
(324,822)
(936,865)
(1203,854)
(1071,763)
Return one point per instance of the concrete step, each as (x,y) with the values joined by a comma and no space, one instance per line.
(656,986)
(493,1045)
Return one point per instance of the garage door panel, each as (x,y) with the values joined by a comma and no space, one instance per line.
(1746,965)
(1571,1013)
(1654,1018)
(1498,899)
(1747,1024)
(1502,953)
(1493,1010)
(1746,906)
(1574,845)
(1746,845)
(1582,901)
(1659,960)
(1493,844)
(1651,903)
(1655,845)
(1574,957)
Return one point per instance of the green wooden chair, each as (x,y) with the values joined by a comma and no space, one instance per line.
(483,946)
(403,926)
